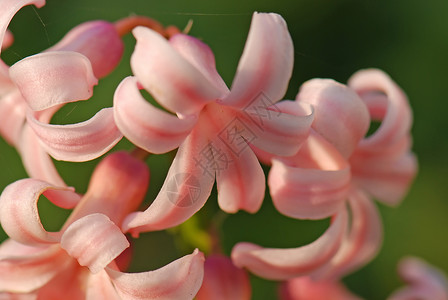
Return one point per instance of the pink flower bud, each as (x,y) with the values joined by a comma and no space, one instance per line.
(99,41)
(223,280)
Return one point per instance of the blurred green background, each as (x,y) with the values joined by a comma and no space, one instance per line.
(332,39)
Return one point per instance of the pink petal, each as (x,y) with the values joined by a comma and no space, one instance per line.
(340,115)
(99,286)
(387,102)
(313,184)
(424,281)
(94,241)
(52,78)
(240,181)
(36,160)
(266,64)
(12,113)
(180,279)
(282,264)
(25,272)
(173,81)
(18,210)
(362,242)
(385,176)
(200,56)
(185,190)
(223,281)
(8,8)
(8,39)
(281,128)
(304,288)
(145,125)
(78,142)
(98,41)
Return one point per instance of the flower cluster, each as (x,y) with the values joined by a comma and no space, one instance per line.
(324,163)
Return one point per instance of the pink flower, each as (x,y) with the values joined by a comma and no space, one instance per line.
(337,166)
(213,127)
(78,260)
(424,282)
(222,280)
(304,288)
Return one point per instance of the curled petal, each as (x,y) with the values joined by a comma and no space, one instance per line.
(94,241)
(313,184)
(180,279)
(38,164)
(200,56)
(282,264)
(362,242)
(18,209)
(99,286)
(98,41)
(8,8)
(240,181)
(279,129)
(424,281)
(385,176)
(185,190)
(146,126)
(340,115)
(78,142)
(266,64)
(13,115)
(173,81)
(26,270)
(387,102)
(52,78)
(222,280)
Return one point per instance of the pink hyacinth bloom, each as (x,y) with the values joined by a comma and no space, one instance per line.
(424,282)
(78,261)
(8,39)
(33,89)
(337,166)
(223,280)
(212,126)
(304,288)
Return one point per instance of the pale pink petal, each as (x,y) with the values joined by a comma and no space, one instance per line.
(279,129)
(180,279)
(185,190)
(6,85)
(424,281)
(94,241)
(240,180)
(387,103)
(24,273)
(52,78)
(18,209)
(99,286)
(304,288)
(223,280)
(282,264)
(12,115)
(266,64)
(78,142)
(313,184)
(15,296)
(99,41)
(36,160)
(173,81)
(200,56)
(143,124)
(340,115)
(362,242)
(8,8)
(8,39)
(386,177)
